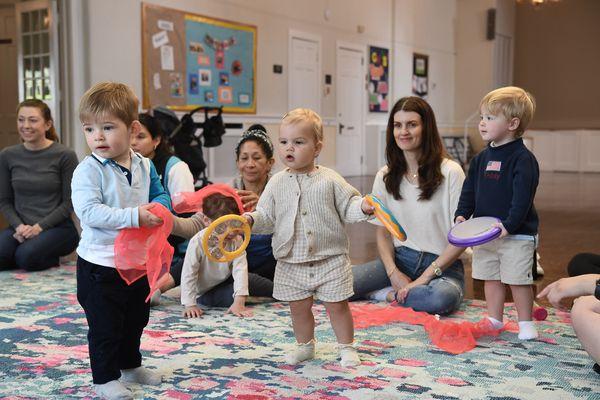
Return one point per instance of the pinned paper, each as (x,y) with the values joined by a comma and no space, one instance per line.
(166,58)
(160,39)
(165,25)
(156,81)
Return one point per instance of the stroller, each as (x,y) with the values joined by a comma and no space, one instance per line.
(185,136)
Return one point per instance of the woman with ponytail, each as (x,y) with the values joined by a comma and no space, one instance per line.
(35,193)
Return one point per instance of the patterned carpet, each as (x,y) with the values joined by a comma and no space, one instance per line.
(43,354)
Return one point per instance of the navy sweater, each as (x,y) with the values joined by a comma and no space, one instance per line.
(501,183)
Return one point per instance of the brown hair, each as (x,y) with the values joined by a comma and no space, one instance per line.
(306,117)
(432,151)
(216,205)
(46,114)
(109,98)
(511,102)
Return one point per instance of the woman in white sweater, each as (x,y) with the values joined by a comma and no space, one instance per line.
(421,187)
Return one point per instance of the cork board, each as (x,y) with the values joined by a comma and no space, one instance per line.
(192,60)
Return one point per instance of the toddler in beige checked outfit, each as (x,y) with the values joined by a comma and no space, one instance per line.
(305,206)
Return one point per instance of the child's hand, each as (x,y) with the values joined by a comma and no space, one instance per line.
(249,219)
(192,312)
(366,208)
(459,219)
(504,231)
(238,308)
(146,218)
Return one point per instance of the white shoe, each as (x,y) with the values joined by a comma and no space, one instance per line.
(539,269)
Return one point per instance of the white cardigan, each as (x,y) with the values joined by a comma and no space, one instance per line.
(329,202)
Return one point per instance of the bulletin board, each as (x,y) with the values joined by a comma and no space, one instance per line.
(191,60)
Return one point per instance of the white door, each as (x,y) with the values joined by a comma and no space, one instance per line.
(304,84)
(8,78)
(350,93)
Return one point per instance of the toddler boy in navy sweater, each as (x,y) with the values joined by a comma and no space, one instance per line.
(501,182)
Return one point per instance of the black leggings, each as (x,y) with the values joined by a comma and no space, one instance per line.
(584,263)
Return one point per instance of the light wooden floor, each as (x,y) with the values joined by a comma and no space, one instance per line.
(568,205)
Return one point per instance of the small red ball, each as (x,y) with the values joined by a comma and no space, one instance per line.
(540,313)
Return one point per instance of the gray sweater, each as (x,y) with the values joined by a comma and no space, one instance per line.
(35,186)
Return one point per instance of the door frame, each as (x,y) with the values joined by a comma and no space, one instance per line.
(362,49)
(309,37)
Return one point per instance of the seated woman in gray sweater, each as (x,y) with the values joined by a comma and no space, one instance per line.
(35,193)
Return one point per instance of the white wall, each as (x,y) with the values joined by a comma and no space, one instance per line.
(426,27)
(109,36)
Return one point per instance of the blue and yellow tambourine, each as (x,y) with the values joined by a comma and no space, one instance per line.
(215,241)
(386,218)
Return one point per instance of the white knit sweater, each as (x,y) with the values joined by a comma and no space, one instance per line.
(327,202)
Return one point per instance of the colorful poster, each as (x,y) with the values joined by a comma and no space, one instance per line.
(224,54)
(379,78)
(420,84)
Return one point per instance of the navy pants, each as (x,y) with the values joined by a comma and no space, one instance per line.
(117,315)
(40,252)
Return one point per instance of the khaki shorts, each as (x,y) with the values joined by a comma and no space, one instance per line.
(328,280)
(507,260)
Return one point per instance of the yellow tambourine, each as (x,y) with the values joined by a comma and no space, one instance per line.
(215,244)
(386,218)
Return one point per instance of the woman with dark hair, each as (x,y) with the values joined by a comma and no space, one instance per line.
(35,193)
(150,142)
(174,174)
(254,159)
(421,187)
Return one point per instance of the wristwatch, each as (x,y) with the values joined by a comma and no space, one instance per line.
(597,291)
(437,271)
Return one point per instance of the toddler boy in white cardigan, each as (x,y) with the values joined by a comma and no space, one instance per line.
(305,206)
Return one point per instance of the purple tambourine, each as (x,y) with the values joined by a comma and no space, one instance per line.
(474,232)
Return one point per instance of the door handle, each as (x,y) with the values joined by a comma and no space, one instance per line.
(340,127)
(350,128)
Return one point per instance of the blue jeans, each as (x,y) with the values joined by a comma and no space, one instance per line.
(40,252)
(222,294)
(441,296)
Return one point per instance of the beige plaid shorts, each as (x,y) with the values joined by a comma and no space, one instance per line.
(328,280)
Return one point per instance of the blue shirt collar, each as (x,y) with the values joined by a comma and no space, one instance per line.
(135,157)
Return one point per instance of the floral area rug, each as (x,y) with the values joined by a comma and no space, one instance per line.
(43,354)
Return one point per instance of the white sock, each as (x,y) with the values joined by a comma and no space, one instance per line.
(349,355)
(380,294)
(495,323)
(301,352)
(527,330)
(155,299)
(141,375)
(113,390)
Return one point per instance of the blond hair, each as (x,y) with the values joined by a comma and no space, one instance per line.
(306,117)
(109,98)
(511,102)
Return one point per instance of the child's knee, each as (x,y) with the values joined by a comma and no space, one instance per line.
(339,306)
